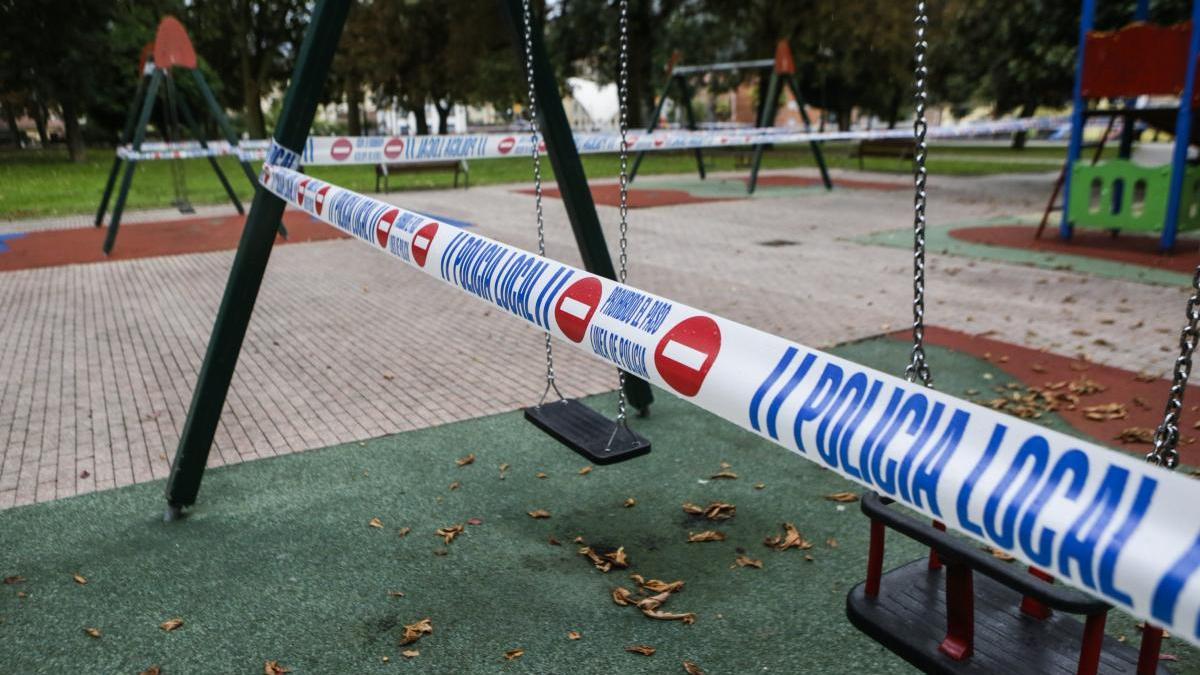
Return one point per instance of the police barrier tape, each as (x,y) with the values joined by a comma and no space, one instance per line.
(1106,522)
(332,150)
(416,149)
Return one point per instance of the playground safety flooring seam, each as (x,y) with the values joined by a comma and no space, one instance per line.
(100,359)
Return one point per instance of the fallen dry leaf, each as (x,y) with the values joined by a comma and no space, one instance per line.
(514,654)
(1136,435)
(687,618)
(171,624)
(843,497)
(449,532)
(644,650)
(630,503)
(724,475)
(1038,368)
(746,561)
(275,668)
(541,474)
(585,471)
(503,468)
(395,594)
(714,511)
(474,521)
(691,668)
(554,542)
(376,523)
(538,514)
(707,535)
(759,486)
(79,579)
(605,561)
(410,653)
(455,485)
(14,579)
(389,376)
(578,540)
(622,596)
(415,631)
(998,554)
(654,601)
(1105,412)
(92,632)
(656,585)
(831,542)
(574,635)
(403,532)
(464,461)
(790,539)
(152,670)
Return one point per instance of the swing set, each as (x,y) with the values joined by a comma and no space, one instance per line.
(167,58)
(774,74)
(934,612)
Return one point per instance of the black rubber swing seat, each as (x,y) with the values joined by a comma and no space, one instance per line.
(587,432)
(909,615)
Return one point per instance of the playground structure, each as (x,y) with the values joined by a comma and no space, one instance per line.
(899,438)
(163,60)
(1137,60)
(782,71)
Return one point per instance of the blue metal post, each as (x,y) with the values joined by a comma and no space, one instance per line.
(1142,13)
(1183,135)
(1086,19)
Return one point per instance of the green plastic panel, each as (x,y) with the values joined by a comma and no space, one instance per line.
(1118,194)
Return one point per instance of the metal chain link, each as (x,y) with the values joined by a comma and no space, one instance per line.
(535,141)
(1166,437)
(917,368)
(623,96)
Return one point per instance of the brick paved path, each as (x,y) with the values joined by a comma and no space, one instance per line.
(99,360)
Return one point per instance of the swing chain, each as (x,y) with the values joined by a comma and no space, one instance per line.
(623,96)
(917,367)
(537,180)
(1166,437)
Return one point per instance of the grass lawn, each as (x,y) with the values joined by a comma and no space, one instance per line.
(44,183)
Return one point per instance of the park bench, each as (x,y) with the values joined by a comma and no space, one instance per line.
(900,148)
(457,165)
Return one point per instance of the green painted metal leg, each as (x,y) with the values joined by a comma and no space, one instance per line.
(818,155)
(126,136)
(768,115)
(214,109)
(572,182)
(691,123)
(139,135)
(662,102)
(250,263)
(198,134)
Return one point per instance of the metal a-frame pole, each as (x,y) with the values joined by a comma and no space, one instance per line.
(765,117)
(818,154)
(685,93)
(198,134)
(139,135)
(658,109)
(784,71)
(131,119)
(214,109)
(568,171)
(250,263)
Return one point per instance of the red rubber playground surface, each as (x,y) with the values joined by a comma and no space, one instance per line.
(609,194)
(1140,398)
(1126,248)
(53,248)
(776,180)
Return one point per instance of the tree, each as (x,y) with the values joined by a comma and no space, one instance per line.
(251,44)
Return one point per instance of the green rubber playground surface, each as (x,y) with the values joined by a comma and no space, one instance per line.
(939,241)
(279,561)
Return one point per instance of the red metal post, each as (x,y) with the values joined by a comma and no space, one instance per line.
(1093,641)
(1148,654)
(875,559)
(1032,607)
(959,642)
(935,563)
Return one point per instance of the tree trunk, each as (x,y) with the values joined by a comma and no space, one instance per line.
(353,110)
(75,147)
(39,120)
(10,116)
(1019,138)
(252,100)
(843,117)
(422,121)
(894,109)
(443,116)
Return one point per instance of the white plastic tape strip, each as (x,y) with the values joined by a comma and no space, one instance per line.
(1105,522)
(246,150)
(321,150)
